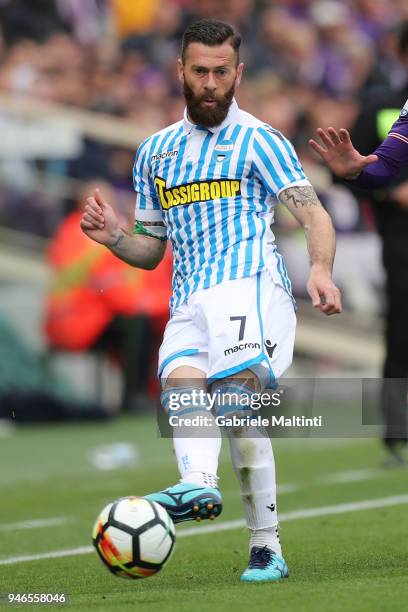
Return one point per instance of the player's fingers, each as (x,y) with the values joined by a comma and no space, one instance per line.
(314,295)
(332,311)
(86,225)
(370,159)
(332,303)
(92,203)
(325,138)
(96,213)
(97,223)
(334,135)
(100,199)
(318,148)
(345,135)
(327,300)
(328,309)
(337,303)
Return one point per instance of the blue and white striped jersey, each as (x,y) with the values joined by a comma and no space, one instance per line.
(215,189)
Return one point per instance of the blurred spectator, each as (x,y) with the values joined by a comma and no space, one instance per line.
(83,17)
(344,49)
(208,9)
(64,50)
(32,19)
(133,17)
(98,303)
(161,44)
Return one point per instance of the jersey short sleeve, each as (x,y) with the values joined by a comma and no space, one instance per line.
(148,206)
(276,162)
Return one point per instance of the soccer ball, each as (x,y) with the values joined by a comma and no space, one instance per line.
(134,537)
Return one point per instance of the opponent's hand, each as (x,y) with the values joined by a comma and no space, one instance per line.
(99,220)
(339,154)
(325,295)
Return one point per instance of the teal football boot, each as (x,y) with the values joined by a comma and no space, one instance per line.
(264,566)
(188,502)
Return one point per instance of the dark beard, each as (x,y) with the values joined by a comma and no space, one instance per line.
(208,117)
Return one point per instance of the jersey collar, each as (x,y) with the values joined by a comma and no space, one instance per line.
(233,111)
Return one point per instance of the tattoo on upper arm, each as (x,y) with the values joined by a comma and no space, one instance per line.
(299,197)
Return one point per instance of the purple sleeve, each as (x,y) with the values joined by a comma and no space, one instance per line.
(393,156)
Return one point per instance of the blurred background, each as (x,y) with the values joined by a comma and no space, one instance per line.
(81,84)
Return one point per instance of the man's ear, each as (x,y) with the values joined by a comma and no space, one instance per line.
(238,78)
(180,70)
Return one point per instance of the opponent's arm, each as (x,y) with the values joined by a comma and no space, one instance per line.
(305,206)
(140,250)
(372,171)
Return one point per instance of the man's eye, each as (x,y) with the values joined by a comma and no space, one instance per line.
(199,70)
(222,72)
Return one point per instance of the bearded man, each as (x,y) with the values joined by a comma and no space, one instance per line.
(210,183)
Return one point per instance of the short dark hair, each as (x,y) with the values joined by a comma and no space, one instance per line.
(210,32)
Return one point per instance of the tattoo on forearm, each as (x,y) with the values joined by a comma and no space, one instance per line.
(117,242)
(299,196)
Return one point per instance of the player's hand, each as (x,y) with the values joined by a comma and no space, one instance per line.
(99,220)
(325,295)
(338,153)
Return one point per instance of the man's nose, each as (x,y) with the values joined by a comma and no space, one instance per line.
(210,84)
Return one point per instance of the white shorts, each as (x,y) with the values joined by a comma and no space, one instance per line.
(237,324)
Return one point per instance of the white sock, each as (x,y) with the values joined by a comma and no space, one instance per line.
(197,458)
(254,464)
(201,479)
(266,537)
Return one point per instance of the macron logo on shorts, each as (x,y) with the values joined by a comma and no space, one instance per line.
(241,347)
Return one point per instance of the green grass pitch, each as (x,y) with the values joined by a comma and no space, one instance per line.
(354,561)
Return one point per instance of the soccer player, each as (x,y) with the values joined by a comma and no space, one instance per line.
(377,171)
(210,183)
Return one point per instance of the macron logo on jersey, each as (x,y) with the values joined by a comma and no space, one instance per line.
(200,191)
(163,155)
